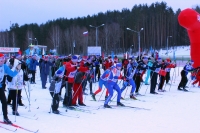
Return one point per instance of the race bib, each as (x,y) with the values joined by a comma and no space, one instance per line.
(157,70)
(167,69)
(141,71)
(72,74)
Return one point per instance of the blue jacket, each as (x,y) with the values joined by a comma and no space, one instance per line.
(8,72)
(32,64)
(44,66)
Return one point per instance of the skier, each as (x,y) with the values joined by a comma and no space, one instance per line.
(4,69)
(90,74)
(154,74)
(197,74)
(111,84)
(70,67)
(16,86)
(102,81)
(186,69)
(55,88)
(79,77)
(131,68)
(142,66)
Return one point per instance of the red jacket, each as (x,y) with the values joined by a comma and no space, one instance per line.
(71,70)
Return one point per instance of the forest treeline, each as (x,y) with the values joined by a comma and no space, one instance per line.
(158,21)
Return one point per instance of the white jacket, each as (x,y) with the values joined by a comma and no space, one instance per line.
(17,81)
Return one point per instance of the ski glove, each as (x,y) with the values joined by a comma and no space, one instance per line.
(29,76)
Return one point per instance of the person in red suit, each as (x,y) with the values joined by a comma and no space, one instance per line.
(197,74)
(71,68)
(77,85)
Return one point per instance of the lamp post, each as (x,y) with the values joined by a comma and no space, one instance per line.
(131,49)
(96,32)
(36,40)
(138,32)
(167,44)
(33,40)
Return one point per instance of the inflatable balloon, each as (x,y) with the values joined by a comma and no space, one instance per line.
(190,20)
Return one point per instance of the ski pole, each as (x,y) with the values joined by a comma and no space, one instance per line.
(172,79)
(26,93)
(16,101)
(150,80)
(29,87)
(101,94)
(126,91)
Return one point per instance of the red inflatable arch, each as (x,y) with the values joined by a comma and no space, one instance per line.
(190,19)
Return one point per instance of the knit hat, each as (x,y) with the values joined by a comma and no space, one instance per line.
(74,58)
(84,58)
(145,58)
(159,59)
(18,56)
(60,71)
(119,65)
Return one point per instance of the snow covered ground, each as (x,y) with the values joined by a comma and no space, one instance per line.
(181,52)
(172,112)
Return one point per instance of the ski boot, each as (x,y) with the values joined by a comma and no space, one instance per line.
(120,104)
(93,97)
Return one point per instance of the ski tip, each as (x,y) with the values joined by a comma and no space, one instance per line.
(36,131)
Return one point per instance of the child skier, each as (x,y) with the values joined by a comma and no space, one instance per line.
(55,87)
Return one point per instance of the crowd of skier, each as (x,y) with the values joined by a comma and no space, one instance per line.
(74,72)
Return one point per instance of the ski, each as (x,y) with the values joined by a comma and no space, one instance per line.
(137,95)
(69,115)
(8,129)
(88,108)
(20,127)
(80,110)
(28,117)
(127,99)
(129,107)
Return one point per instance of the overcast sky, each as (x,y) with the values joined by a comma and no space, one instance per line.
(40,11)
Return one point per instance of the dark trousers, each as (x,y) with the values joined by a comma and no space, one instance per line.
(44,80)
(161,83)
(68,94)
(97,73)
(64,85)
(4,103)
(167,78)
(137,83)
(154,77)
(55,101)
(19,98)
(89,79)
(184,79)
(15,94)
(33,75)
